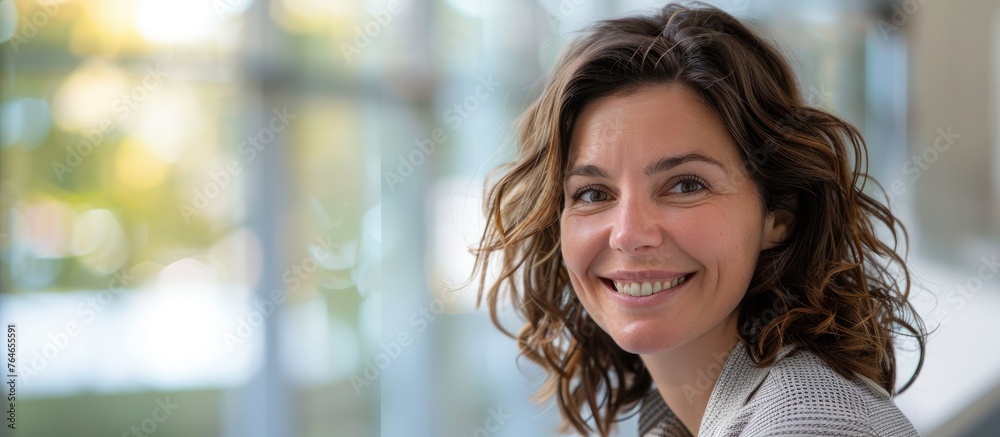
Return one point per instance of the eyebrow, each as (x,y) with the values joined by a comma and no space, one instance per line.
(664,164)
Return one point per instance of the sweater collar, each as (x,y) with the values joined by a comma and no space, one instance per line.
(736,385)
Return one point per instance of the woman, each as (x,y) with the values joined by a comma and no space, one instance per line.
(684,235)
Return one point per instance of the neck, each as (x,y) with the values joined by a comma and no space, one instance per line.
(686,375)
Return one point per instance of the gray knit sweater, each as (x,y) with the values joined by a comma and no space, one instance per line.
(798,395)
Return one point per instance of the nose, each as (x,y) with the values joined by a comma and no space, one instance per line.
(636,227)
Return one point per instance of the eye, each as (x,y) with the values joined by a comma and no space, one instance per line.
(688,185)
(591,194)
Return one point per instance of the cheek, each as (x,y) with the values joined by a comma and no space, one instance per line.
(725,237)
(579,241)
(580,246)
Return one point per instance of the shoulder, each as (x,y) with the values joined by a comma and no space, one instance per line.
(801,394)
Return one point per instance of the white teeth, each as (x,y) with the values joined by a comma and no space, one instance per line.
(646,288)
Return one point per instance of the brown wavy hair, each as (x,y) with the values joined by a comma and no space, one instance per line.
(835,287)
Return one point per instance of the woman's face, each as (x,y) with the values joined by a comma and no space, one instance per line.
(662,224)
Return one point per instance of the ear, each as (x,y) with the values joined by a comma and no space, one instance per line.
(778,226)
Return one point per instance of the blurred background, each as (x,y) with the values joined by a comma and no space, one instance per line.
(195,193)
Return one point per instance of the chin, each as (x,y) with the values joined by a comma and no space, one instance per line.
(644,340)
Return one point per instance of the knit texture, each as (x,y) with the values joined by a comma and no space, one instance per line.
(798,395)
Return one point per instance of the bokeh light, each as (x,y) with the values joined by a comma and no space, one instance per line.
(99,241)
(91,95)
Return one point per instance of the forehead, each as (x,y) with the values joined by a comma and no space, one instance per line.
(647,124)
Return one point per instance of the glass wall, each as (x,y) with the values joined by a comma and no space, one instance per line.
(191,217)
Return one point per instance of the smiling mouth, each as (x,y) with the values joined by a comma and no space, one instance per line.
(648,288)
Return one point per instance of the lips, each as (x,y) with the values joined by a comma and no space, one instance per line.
(645,287)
